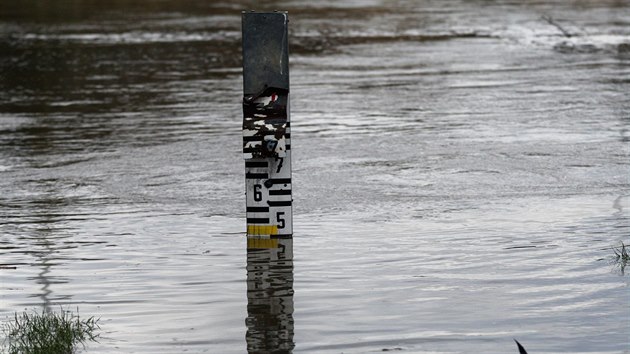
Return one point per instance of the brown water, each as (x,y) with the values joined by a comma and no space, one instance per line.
(461,172)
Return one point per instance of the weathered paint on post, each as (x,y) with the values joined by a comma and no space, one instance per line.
(266,125)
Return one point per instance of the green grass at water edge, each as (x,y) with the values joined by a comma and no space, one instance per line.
(47,332)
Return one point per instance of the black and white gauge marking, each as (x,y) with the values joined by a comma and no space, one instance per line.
(266,125)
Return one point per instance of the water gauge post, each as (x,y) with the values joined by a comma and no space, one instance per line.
(266,128)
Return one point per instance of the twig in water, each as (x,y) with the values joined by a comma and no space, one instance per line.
(521,349)
(552,22)
(621,257)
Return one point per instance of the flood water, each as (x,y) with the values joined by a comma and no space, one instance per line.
(461,172)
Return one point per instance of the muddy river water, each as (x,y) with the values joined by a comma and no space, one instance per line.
(461,175)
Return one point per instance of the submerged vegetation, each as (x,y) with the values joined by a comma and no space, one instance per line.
(47,332)
(621,257)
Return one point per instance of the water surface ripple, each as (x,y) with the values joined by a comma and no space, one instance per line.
(461,172)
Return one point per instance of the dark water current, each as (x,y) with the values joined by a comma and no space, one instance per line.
(461,172)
